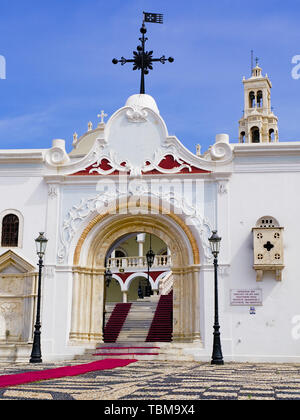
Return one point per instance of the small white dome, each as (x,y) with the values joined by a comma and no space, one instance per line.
(142,101)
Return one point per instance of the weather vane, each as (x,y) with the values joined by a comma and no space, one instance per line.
(143,60)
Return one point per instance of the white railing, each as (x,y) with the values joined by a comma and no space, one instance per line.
(160,261)
(166,284)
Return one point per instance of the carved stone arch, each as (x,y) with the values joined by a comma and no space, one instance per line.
(113,227)
(89,267)
(141,206)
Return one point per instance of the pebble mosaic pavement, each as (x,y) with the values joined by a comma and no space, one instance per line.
(163,381)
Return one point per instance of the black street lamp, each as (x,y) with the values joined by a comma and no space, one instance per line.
(36,354)
(108,277)
(217,357)
(150,261)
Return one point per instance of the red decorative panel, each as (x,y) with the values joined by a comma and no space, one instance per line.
(168,165)
(104,166)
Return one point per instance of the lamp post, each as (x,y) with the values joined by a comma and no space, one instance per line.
(217,357)
(36,354)
(108,277)
(150,260)
(107,281)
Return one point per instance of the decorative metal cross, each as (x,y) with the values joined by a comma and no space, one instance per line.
(143,60)
(102,116)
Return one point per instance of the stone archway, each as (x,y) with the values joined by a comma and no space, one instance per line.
(89,267)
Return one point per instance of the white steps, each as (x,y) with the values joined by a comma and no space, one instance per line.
(138,322)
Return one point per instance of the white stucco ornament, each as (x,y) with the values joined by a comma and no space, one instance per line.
(142,101)
(135,142)
(135,132)
(57,155)
(221,150)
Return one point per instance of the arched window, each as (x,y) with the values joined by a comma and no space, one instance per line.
(251,100)
(10,231)
(271,135)
(259,99)
(255,136)
(120,254)
(242,137)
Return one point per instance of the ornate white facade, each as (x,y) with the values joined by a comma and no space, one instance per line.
(129,175)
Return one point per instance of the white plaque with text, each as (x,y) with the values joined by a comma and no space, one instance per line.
(246,297)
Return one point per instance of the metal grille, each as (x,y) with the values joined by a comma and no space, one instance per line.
(10,230)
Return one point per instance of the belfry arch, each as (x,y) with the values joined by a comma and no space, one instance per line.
(89,268)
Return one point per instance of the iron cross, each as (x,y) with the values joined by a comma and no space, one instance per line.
(143,60)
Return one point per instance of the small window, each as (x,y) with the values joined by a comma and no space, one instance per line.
(251,100)
(255,135)
(10,231)
(259,99)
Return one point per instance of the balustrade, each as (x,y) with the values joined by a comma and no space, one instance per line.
(160,261)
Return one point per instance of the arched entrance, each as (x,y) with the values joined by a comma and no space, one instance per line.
(89,267)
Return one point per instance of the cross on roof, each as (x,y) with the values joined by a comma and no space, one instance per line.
(143,60)
(102,116)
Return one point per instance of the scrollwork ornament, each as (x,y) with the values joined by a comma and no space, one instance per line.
(221,151)
(136,115)
(97,204)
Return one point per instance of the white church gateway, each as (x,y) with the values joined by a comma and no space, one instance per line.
(128,180)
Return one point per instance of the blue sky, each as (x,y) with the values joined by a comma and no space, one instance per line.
(60,75)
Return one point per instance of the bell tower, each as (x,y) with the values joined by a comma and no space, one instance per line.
(259,124)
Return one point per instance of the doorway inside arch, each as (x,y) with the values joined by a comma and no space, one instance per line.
(139,288)
(138,297)
(127,262)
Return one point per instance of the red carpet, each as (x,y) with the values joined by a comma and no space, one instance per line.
(125,354)
(44,375)
(125,348)
(162,325)
(115,322)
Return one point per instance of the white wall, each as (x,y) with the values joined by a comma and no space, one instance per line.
(28,195)
(267,335)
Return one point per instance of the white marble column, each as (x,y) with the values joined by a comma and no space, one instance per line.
(140,238)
